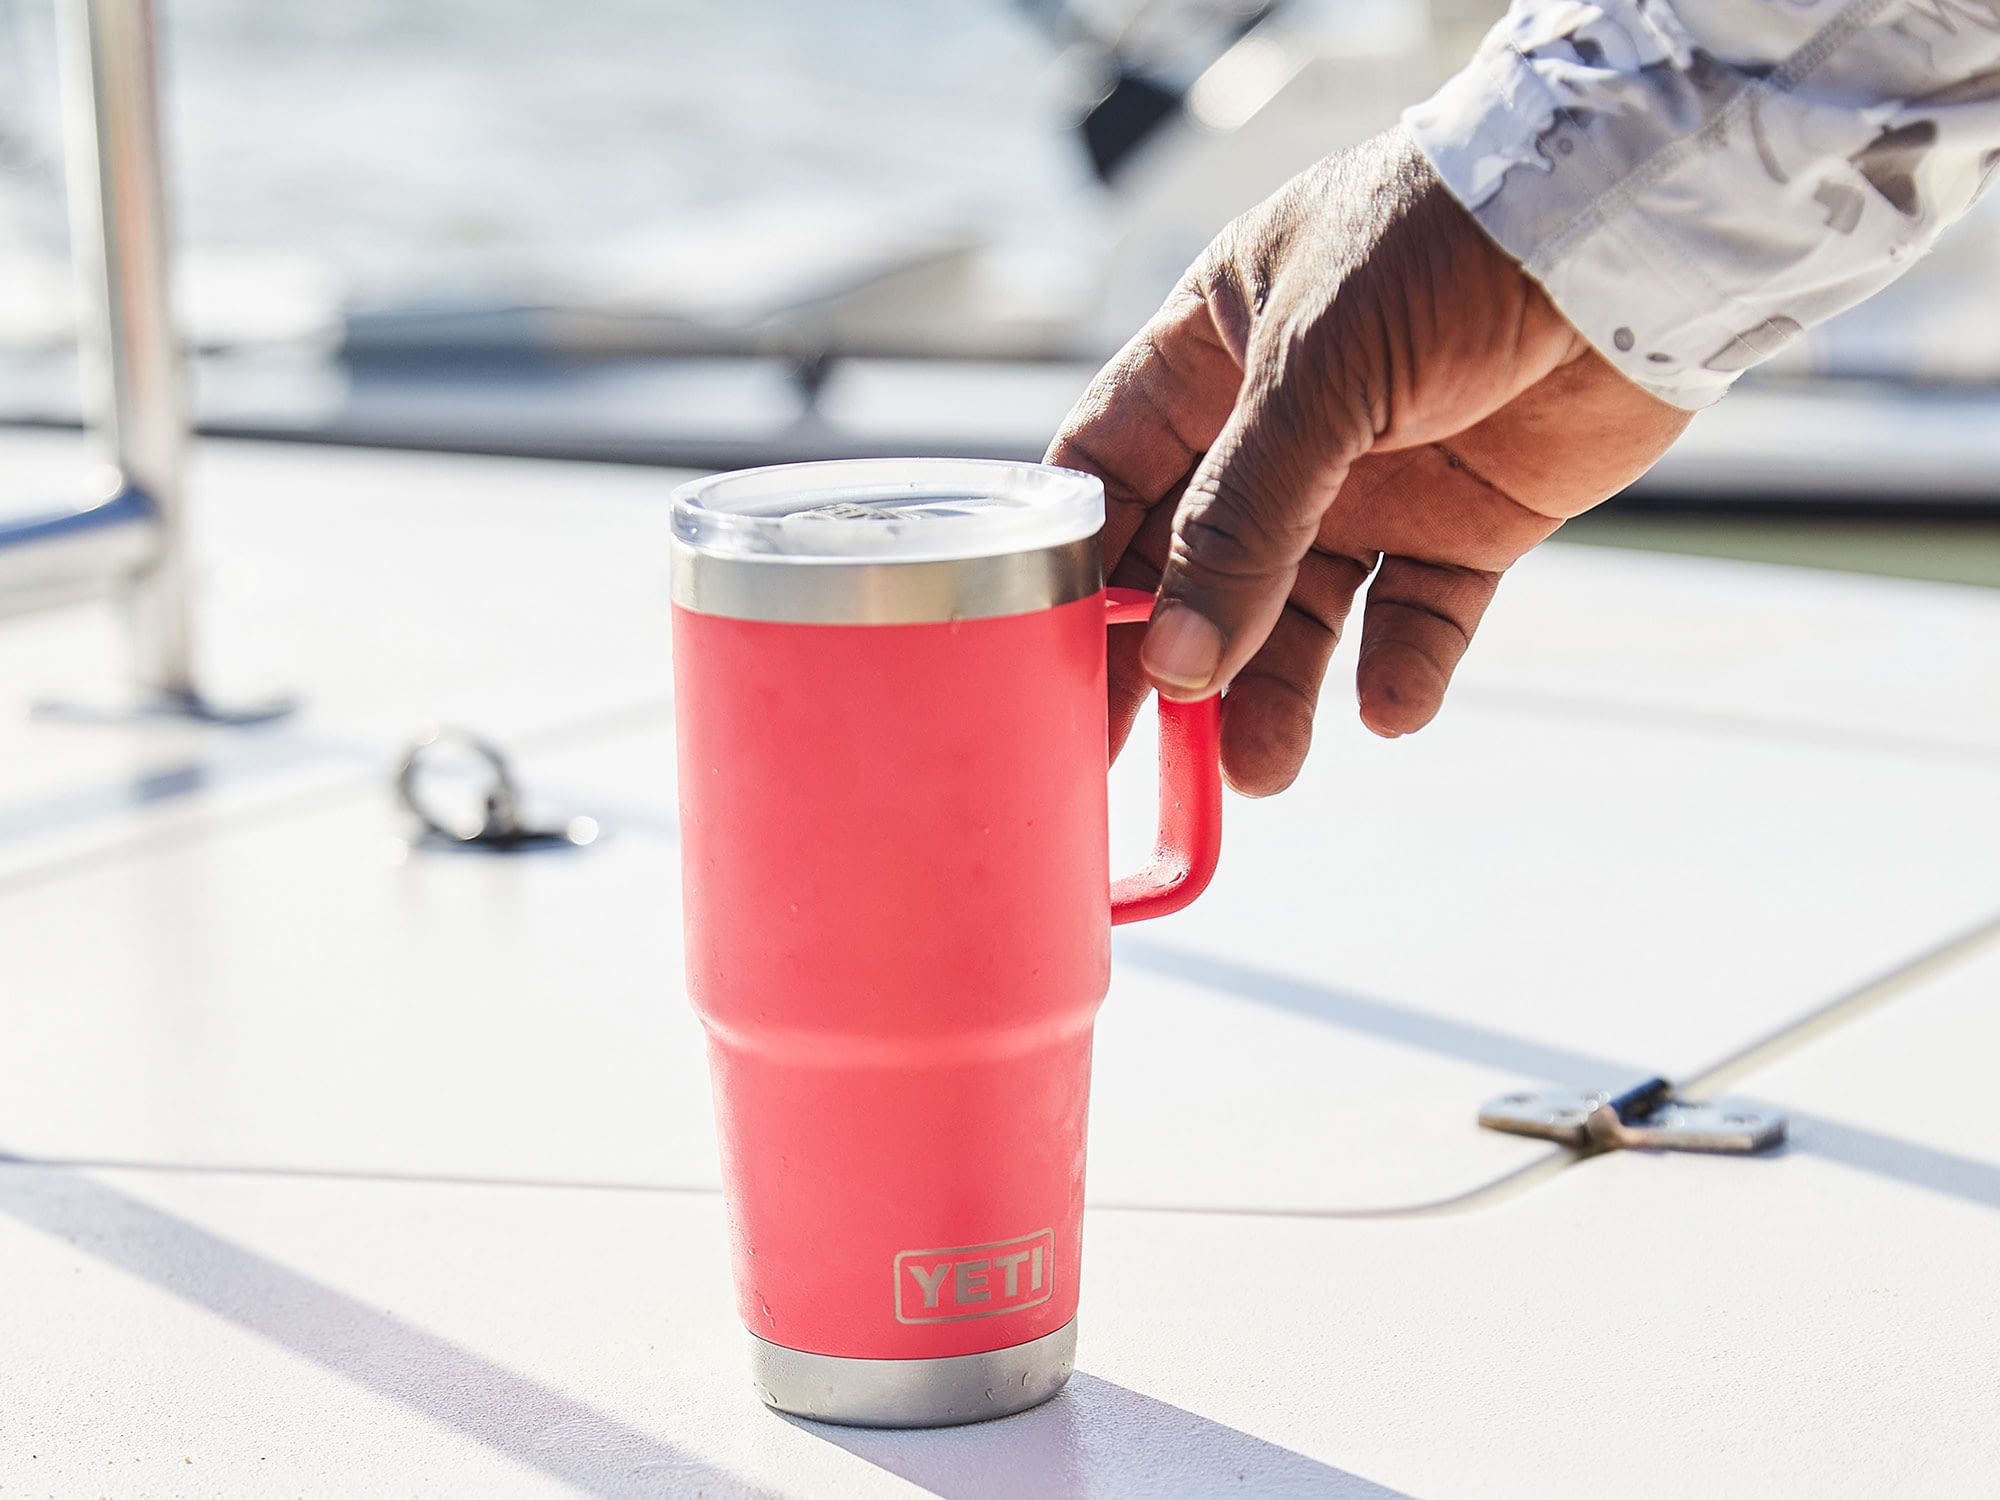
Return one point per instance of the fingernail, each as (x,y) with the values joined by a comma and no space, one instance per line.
(1181,651)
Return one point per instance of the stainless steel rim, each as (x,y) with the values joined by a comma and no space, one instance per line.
(947,1392)
(885,593)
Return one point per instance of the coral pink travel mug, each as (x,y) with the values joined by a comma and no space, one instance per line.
(890,682)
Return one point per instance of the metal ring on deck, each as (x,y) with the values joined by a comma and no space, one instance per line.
(501,827)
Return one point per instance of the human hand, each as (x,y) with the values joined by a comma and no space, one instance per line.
(1352,379)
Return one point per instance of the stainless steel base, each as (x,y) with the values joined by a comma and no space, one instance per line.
(913,1392)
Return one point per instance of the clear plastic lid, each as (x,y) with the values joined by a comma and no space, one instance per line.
(888,510)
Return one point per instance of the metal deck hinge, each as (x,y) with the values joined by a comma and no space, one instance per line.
(1645,1117)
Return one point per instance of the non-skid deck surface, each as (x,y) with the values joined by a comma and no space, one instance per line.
(346,1167)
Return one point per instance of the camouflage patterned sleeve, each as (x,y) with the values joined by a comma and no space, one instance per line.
(1698,181)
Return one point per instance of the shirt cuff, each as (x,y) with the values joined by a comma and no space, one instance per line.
(1502,145)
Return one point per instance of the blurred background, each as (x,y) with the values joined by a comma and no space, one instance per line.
(681,233)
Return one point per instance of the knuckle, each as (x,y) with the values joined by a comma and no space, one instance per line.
(1452,593)
(1315,374)
(1285,359)
(1234,539)
(1233,290)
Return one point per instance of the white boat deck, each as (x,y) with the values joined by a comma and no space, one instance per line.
(331,1166)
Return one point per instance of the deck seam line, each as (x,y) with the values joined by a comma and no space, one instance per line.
(1834,1015)
(1516,1181)
(196,828)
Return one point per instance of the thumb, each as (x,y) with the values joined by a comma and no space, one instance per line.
(1249,515)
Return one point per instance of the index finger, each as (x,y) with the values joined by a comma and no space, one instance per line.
(1150,414)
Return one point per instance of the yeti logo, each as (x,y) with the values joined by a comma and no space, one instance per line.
(975,1281)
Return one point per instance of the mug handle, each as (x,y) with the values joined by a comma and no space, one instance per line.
(1190,836)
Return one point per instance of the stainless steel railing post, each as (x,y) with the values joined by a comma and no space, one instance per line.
(132,369)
